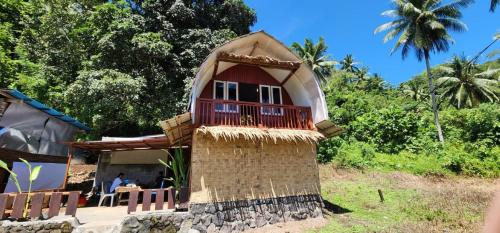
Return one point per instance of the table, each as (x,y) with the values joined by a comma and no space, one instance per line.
(124,189)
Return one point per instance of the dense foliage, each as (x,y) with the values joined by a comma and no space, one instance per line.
(119,66)
(392,128)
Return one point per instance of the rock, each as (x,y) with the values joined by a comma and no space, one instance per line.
(131,222)
(207,219)
(197,220)
(218,219)
(210,208)
(274,219)
(260,221)
(200,227)
(193,231)
(197,209)
(212,228)
(226,228)
(186,226)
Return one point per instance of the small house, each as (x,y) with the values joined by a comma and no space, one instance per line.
(37,133)
(257,113)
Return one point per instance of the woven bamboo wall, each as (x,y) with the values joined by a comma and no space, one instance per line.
(242,170)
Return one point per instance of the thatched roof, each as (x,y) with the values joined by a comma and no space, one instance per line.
(257,134)
(178,129)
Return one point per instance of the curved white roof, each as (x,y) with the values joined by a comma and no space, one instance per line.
(302,87)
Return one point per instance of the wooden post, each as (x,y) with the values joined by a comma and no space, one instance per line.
(381,195)
(54,204)
(70,155)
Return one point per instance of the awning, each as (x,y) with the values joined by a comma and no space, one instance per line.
(124,144)
(178,131)
(328,128)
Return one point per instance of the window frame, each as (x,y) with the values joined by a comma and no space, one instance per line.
(271,100)
(225,95)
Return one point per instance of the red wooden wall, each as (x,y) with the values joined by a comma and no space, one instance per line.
(246,74)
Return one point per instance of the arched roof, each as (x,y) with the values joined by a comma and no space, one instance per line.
(302,86)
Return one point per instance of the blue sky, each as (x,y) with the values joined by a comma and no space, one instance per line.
(348,26)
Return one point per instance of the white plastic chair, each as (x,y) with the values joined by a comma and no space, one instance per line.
(104,194)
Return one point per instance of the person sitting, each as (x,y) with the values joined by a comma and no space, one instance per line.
(159,180)
(118,181)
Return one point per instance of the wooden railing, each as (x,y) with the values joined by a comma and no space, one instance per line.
(213,112)
(159,199)
(13,205)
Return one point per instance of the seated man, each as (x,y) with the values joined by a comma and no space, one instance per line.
(118,181)
(159,180)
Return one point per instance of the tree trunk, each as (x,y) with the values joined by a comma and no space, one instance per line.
(433,98)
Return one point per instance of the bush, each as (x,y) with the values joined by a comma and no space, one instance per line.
(390,129)
(471,125)
(355,155)
(471,159)
(328,149)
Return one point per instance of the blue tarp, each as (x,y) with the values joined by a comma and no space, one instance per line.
(50,111)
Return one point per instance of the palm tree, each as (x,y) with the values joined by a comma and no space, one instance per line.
(493,5)
(466,86)
(422,25)
(414,90)
(376,83)
(348,64)
(314,56)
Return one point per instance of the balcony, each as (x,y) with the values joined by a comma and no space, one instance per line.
(215,112)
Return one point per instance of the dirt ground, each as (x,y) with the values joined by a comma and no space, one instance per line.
(412,203)
(292,226)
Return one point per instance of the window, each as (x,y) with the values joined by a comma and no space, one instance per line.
(271,95)
(224,90)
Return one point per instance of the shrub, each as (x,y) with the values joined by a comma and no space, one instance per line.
(390,129)
(355,155)
(328,149)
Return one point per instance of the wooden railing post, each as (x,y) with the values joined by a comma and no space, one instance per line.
(132,201)
(249,114)
(160,199)
(3,204)
(212,113)
(18,206)
(198,112)
(171,198)
(55,204)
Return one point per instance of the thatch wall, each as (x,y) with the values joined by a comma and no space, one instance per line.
(246,169)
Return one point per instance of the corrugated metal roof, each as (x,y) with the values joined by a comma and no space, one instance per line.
(42,107)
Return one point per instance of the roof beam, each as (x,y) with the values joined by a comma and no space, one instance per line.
(261,61)
(288,77)
(216,66)
(253,49)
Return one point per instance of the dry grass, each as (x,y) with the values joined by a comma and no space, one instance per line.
(257,134)
(413,203)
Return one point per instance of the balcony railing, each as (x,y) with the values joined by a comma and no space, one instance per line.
(213,112)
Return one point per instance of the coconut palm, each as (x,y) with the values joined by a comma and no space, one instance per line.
(422,25)
(348,64)
(493,5)
(376,83)
(414,90)
(466,86)
(314,56)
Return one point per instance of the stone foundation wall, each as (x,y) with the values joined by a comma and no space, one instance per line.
(225,217)
(61,224)
(238,216)
(247,170)
(155,222)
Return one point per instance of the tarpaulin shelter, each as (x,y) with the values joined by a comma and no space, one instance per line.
(36,132)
